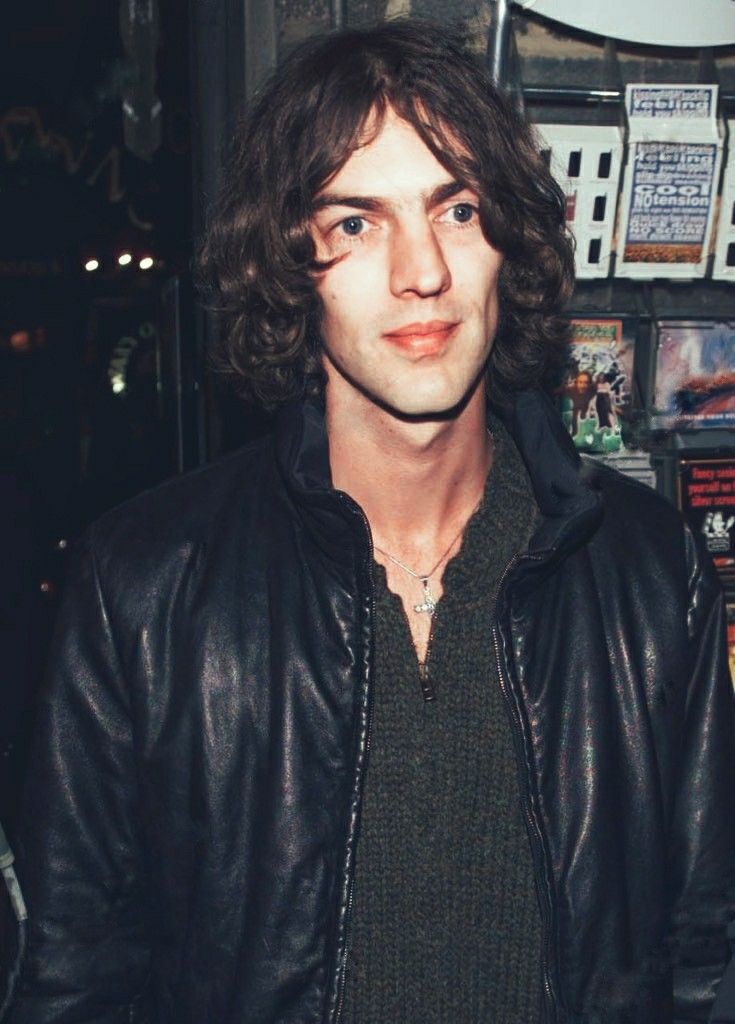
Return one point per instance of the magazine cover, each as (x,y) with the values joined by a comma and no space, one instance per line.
(707,501)
(668,204)
(672,197)
(695,375)
(597,395)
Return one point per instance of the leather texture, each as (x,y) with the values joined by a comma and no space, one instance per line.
(193,811)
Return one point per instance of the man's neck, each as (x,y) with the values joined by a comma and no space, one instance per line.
(417,482)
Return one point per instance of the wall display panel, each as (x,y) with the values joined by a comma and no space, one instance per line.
(670,181)
(694,381)
(707,502)
(586,161)
(724,263)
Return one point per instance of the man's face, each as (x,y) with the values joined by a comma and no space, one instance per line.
(410,307)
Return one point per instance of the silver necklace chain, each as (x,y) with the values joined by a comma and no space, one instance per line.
(428,604)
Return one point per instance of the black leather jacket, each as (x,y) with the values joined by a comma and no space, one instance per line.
(193,813)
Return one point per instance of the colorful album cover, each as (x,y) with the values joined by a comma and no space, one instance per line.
(707,501)
(695,375)
(597,394)
(731,640)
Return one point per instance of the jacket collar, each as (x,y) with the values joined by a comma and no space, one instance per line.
(570,507)
(335,523)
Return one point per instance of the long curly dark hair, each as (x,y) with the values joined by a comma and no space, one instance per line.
(258,259)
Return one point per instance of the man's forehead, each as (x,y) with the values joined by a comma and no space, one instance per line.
(391,159)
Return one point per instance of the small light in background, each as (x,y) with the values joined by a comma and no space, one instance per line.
(124,258)
(146,263)
(91,265)
(21,341)
(25,341)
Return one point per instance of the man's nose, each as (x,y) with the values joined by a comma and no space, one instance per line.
(418,264)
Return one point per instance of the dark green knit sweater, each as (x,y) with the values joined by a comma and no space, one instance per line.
(445,926)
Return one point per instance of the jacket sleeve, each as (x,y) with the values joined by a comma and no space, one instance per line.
(78,856)
(702,844)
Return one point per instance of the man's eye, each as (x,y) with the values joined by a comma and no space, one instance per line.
(463,212)
(352,225)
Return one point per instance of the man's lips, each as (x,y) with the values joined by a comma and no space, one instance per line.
(422,338)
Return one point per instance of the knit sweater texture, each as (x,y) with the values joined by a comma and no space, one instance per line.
(445,925)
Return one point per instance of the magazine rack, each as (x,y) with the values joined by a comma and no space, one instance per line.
(676,338)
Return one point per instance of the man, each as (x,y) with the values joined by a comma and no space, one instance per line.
(402,715)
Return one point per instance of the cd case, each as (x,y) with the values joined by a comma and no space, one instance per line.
(597,400)
(707,501)
(694,383)
(598,391)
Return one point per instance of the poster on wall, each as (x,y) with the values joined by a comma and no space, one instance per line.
(707,502)
(695,375)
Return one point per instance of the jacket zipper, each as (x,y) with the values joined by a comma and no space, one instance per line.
(341,979)
(532,827)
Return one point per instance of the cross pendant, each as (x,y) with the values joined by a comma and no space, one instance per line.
(428,604)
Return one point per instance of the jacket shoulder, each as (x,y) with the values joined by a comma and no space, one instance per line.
(186,510)
(631,504)
(647,529)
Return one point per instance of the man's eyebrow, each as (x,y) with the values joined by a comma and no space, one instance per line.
(370,203)
(374,204)
(443,192)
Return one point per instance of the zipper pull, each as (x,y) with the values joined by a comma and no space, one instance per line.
(426,687)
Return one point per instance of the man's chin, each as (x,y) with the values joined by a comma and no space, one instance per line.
(412,398)
(418,408)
